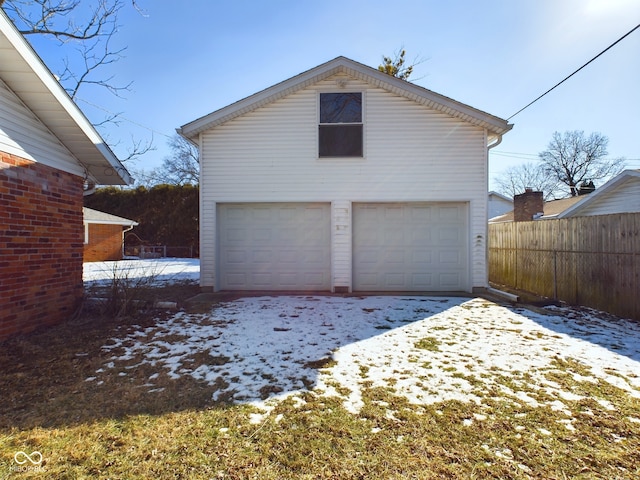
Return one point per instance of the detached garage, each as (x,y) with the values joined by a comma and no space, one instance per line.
(344,179)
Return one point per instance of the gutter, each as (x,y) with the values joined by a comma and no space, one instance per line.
(495,144)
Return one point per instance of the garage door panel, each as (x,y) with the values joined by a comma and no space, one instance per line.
(422,280)
(451,257)
(448,235)
(422,257)
(410,246)
(283,246)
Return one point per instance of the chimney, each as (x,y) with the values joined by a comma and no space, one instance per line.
(527,205)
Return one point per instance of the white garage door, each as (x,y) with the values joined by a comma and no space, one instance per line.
(274,246)
(410,247)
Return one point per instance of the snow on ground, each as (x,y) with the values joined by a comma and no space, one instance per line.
(159,270)
(429,349)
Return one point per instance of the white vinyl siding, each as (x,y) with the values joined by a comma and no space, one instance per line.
(625,198)
(412,154)
(341,243)
(23,135)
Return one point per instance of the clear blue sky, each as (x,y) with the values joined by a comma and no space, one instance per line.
(187,59)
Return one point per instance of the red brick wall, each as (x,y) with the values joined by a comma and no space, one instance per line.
(41,240)
(527,205)
(105,243)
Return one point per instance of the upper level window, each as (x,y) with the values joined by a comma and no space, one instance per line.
(340,130)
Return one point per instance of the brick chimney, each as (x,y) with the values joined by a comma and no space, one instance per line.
(527,205)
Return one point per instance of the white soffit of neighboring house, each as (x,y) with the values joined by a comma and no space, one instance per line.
(599,193)
(29,78)
(494,125)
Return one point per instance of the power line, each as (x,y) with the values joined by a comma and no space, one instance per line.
(120,117)
(567,78)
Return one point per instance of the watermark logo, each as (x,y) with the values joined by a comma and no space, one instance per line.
(28,462)
(21,458)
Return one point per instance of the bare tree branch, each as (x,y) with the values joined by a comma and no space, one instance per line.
(181,167)
(574,159)
(84,30)
(514,180)
(90,25)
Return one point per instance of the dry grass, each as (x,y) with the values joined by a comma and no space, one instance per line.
(118,430)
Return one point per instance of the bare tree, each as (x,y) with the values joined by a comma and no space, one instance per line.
(84,30)
(514,180)
(182,167)
(574,159)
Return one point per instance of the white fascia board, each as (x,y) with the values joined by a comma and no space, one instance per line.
(112,222)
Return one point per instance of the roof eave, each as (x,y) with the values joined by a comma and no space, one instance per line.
(495,125)
(101,164)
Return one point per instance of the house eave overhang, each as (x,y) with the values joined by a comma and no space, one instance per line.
(92,216)
(24,73)
(495,126)
(107,222)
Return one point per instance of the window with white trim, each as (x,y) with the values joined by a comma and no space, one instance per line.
(340,129)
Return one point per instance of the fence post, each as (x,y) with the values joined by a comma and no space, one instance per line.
(555,274)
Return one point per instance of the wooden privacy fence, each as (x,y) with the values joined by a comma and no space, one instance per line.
(592,261)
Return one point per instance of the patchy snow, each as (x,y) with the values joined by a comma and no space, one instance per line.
(429,349)
(156,271)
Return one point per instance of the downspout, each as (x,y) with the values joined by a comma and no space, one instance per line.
(123,232)
(489,147)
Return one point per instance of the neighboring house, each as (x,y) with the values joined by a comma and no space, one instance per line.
(343,179)
(621,194)
(499,204)
(541,211)
(49,152)
(104,235)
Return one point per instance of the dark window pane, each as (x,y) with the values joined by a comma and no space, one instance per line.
(340,140)
(341,108)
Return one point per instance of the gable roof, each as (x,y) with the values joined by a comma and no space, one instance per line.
(591,199)
(500,196)
(494,125)
(95,216)
(22,70)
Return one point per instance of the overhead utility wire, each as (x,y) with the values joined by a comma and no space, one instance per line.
(120,117)
(567,78)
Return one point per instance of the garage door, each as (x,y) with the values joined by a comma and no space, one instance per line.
(284,246)
(410,247)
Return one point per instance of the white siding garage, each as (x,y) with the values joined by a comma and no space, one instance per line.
(274,246)
(277,151)
(410,247)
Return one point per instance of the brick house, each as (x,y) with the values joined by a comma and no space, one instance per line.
(49,153)
(104,235)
